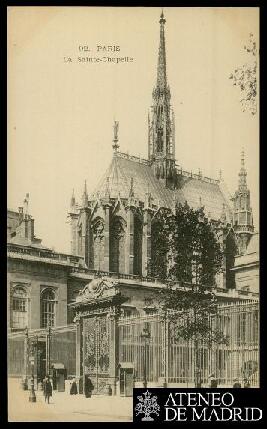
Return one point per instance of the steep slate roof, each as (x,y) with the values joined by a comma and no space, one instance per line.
(196,191)
(211,196)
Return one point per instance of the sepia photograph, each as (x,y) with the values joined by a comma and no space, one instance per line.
(133,206)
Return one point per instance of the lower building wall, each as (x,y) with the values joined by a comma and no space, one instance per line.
(247,278)
(15,355)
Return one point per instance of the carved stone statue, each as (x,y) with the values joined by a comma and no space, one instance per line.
(96,288)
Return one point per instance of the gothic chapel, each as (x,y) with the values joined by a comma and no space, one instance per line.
(93,312)
(112,228)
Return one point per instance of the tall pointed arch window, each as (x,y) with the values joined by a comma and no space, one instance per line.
(48,308)
(19,308)
(230,252)
(160,140)
(117,245)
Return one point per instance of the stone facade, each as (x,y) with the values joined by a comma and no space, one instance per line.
(112,232)
(34,271)
(246,267)
(112,229)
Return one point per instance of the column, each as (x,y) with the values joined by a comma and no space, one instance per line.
(146,244)
(79,343)
(166,351)
(48,351)
(114,349)
(84,235)
(26,358)
(87,237)
(106,238)
(129,242)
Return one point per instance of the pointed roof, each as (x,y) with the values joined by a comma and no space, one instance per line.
(242,173)
(124,168)
(85,195)
(72,200)
(124,171)
(161,71)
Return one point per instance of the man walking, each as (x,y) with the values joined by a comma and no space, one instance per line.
(47,389)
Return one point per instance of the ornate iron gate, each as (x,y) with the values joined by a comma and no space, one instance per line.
(164,357)
(96,340)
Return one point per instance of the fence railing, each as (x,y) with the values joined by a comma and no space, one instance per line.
(14,249)
(165,356)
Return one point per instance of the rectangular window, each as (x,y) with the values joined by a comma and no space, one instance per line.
(19,320)
(19,304)
(48,314)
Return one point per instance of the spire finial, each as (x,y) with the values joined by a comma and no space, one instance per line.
(115,138)
(242,173)
(220,175)
(242,158)
(85,195)
(72,200)
(131,193)
(162,19)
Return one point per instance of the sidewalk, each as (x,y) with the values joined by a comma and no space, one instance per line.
(65,407)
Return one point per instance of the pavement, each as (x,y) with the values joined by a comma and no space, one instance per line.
(64,407)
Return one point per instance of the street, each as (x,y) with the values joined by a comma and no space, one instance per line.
(65,407)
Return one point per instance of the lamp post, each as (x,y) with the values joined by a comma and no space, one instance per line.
(32,397)
(145,335)
(48,347)
(24,381)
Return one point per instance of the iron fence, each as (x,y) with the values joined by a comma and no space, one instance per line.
(165,358)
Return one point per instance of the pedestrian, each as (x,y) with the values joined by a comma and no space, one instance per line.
(88,386)
(73,387)
(213,381)
(48,390)
(237,383)
(246,383)
(44,384)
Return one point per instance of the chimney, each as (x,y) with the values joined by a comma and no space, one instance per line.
(26,225)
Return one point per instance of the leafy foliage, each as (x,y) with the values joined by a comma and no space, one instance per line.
(245,77)
(160,245)
(186,255)
(184,247)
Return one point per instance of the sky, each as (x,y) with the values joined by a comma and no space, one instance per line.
(61,112)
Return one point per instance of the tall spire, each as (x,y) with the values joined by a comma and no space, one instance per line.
(161,127)
(242,217)
(161,72)
(242,173)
